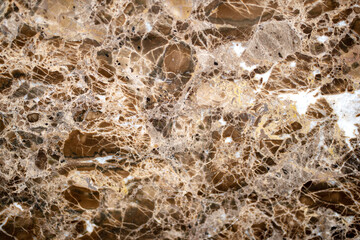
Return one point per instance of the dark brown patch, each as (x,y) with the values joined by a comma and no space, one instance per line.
(33,117)
(2,125)
(273,145)
(237,14)
(17,73)
(107,71)
(319,110)
(81,144)
(178,59)
(317,48)
(83,197)
(5,81)
(151,45)
(323,194)
(51,77)
(135,217)
(234,133)
(322,7)
(41,159)
(355,25)
(337,86)
(290,128)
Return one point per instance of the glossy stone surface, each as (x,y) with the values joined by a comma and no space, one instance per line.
(179,119)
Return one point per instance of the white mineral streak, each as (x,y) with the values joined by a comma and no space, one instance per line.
(345,105)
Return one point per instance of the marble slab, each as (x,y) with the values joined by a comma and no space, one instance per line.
(179,119)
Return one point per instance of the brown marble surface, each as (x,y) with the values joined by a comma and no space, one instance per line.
(179,119)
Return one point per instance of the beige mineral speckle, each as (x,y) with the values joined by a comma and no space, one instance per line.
(180,9)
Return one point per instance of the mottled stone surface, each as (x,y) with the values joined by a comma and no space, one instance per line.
(179,119)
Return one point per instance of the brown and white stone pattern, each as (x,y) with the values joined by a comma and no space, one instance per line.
(179,119)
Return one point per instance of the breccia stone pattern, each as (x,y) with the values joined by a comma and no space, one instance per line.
(179,119)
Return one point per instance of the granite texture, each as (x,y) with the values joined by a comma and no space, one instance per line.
(179,119)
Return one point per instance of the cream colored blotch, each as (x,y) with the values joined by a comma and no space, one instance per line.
(180,9)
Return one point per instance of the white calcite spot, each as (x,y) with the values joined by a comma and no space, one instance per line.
(103,160)
(265,76)
(4,222)
(244,66)
(293,64)
(302,99)
(313,124)
(341,24)
(148,26)
(238,48)
(316,72)
(128,178)
(89,226)
(345,105)
(228,140)
(102,98)
(222,121)
(18,206)
(322,39)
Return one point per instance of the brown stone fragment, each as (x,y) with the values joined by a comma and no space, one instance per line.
(355,25)
(216,136)
(150,45)
(161,125)
(35,92)
(33,117)
(290,128)
(2,125)
(25,34)
(81,144)
(234,133)
(342,16)
(19,227)
(80,227)
(226,181)
(27,31)
(83,197)
(317,48)
(273,145)
(322,7)
(135,217)
(27,138)
(271,42)
(261,230)
(337,86)
(51,77)
(22,90)
(238,14)
(307,29)
(319,110)
(102,17)
(351,162)
(41,159)
(177,59)
(346,43)
(5,82)
(104,55)
(17,73)
(107,71)
(214,38)
(323,194)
